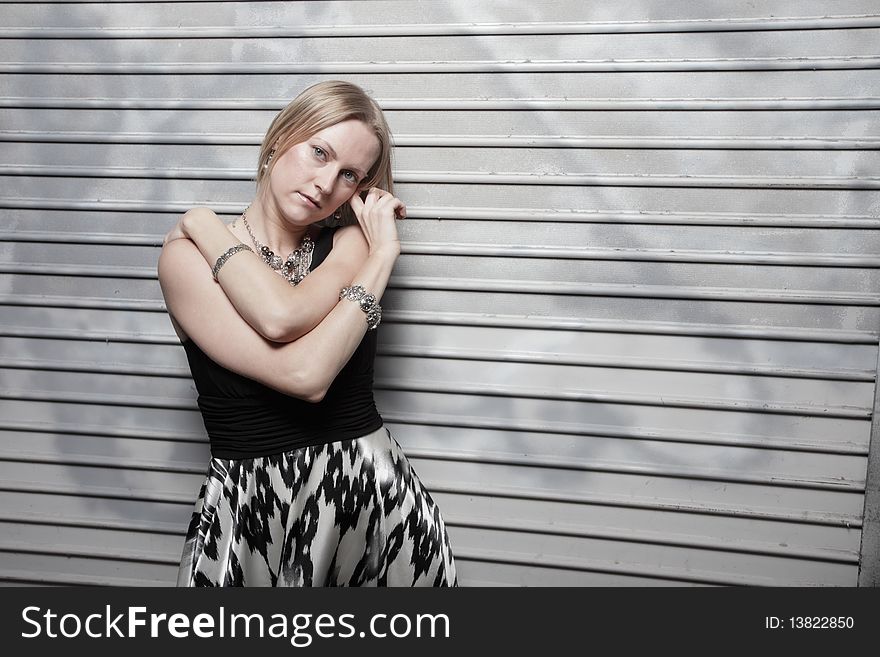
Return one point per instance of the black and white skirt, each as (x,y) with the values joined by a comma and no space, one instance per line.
(348,513)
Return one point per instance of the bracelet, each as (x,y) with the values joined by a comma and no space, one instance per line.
(231,251)
(367,303)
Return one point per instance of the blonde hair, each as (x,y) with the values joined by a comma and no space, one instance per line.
(318,107)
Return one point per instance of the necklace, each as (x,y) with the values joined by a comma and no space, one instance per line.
(297,264)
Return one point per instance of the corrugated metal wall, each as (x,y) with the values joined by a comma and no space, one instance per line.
(633,335)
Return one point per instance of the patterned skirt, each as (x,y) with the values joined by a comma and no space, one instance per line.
(348,513)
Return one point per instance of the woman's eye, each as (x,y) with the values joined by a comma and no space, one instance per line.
(318,151)
(349,176)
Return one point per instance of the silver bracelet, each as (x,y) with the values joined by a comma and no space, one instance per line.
(367,303)
(231,251)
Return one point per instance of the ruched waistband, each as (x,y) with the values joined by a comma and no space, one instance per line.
(252,427)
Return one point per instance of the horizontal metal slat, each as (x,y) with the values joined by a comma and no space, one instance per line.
(618,362)
(104,462)
(94,522)
(247,127)
(648,87)
(109,271)
(634,290)
(591,565)
(92,552)
(849,521)
(101,492)
(67,397)
(473,104)
(433,67)
(854,443)
(112,239)
(475,177)
(530,165)
(98,303)
(668,401)
(486,214)
(422,317)
(455,48)
(489,574)
(773,23)
(46,578)
(466,141)
(639,254)
(510,250)
(140,433)
(517,286)
(670,365)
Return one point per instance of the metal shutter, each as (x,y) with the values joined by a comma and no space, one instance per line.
(632,339)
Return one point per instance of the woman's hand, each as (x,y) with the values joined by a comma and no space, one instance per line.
(176,233)
(192,220)
(376,215)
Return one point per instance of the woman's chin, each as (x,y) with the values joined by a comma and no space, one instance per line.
(298,217)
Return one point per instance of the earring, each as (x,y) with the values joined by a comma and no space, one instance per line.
(337,214)
(269,159)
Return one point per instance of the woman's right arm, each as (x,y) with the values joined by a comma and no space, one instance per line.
(304,368)
(266,301)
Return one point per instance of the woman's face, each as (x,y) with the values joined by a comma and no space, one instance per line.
(313,178)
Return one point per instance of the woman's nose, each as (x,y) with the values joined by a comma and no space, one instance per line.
(324,180)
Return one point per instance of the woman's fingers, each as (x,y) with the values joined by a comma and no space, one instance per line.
(357,205)
(363,211)
(396,205)
(175,233)
(376,214)
(377,202)
(369,202)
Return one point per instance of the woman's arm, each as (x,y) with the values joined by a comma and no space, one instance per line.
(277,310)
(304,368)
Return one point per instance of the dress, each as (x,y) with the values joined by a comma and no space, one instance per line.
(301,494)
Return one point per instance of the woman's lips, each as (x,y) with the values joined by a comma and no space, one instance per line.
(309,200)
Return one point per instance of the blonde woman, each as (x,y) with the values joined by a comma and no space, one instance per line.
(306,487)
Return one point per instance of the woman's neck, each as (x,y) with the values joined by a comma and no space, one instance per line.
(270,228)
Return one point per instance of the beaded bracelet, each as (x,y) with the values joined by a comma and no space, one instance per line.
(231,251)
(367,303)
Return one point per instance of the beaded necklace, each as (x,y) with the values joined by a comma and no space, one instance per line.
(295,267)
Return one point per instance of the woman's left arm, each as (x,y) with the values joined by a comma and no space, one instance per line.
(265,300)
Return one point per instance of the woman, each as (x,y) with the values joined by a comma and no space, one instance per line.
(305,485)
